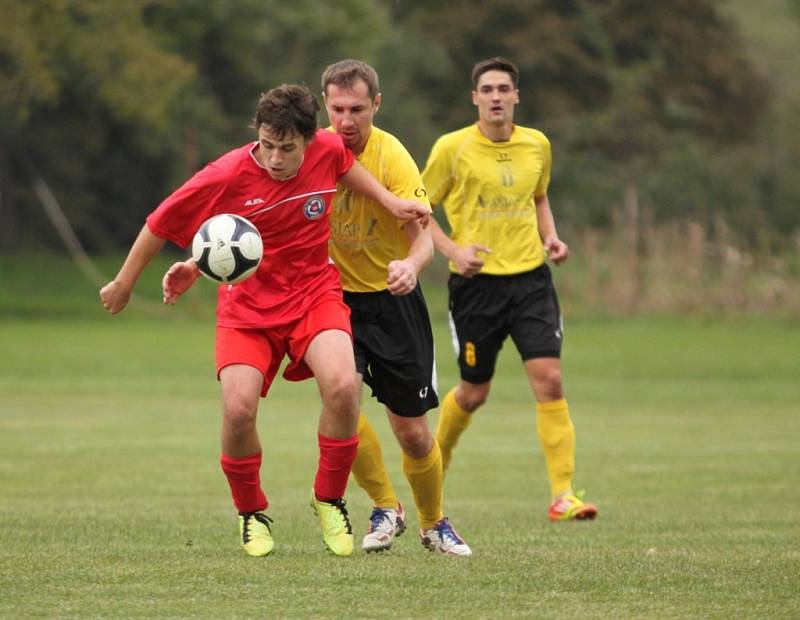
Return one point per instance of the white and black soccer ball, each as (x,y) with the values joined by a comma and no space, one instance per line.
(227,248)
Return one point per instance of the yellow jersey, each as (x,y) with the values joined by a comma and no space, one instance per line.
(365,237)
(487,190)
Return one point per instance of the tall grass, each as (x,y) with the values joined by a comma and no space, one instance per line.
(640,267)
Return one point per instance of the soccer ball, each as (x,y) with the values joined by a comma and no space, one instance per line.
(227,248)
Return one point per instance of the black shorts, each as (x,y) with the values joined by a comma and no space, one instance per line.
(485,309)
(393,346)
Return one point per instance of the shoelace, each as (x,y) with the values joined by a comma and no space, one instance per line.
(340,504)
(258,516)
(446,530)
(377,517)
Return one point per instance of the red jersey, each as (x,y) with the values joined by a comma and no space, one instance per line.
(293,217)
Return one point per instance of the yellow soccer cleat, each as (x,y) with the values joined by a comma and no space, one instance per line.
(256,533)
(337,533)
(571,507)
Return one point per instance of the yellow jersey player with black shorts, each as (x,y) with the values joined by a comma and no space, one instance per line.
(492,179)
(380,259)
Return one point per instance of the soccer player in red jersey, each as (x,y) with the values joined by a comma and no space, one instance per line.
(292,305)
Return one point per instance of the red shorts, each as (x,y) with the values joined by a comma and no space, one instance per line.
(264,348)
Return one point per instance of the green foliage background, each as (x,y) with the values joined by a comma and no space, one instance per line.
(692,104)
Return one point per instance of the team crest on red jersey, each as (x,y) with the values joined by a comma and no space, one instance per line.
(314,207)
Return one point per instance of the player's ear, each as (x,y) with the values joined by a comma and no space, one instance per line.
(516,95)
(474,97)
(376,103)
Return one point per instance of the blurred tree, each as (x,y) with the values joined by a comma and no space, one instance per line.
(772,32)
(693,73)
(558,47)
(682,60)
(87,102)
(244,47)
(50,47)
(116,103)
(621,87)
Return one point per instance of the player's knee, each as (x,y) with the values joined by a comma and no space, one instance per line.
(415,440)
(549,385)
(240,412)
(341,392)
(471,398)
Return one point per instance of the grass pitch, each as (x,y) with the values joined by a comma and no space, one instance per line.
(113,504)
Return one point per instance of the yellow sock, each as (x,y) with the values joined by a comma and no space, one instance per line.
(369,469)
(557,436)
(453,421)
(425,477)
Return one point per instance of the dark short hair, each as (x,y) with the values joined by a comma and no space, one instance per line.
(346,73)
(496,63)
(288,109)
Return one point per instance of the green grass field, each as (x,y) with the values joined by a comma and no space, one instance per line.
(113,504)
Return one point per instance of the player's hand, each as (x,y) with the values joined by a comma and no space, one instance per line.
(402,277)
(466,259)
(556,250)
(409,210)
(115,296)
(179,279)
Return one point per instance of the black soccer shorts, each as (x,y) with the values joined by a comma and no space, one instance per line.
(393,345)
(485,309)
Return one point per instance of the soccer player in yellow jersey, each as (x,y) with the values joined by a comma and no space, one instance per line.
(380,259)
(492,178)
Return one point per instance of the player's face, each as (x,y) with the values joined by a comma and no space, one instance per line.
(495,98)
(280,156)
(350,111)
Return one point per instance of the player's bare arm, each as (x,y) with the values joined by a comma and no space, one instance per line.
(116,294)
(555,249)
(359,180)
(178,279)
(466,258)
(402,275)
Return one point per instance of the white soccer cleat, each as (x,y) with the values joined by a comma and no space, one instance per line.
(442,538)
(384,525)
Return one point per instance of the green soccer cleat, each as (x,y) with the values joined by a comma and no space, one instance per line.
(337,533)
(256,533)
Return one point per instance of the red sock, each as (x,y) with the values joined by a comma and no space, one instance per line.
(245,482)
(336,458)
